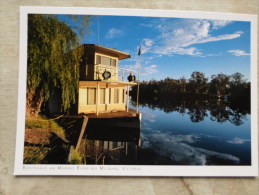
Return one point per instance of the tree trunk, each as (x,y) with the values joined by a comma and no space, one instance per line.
(33,103)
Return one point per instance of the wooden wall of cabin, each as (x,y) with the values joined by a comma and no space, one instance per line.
(112,69)
(86,70)
(111,100)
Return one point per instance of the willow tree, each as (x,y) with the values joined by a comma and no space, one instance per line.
(53,62)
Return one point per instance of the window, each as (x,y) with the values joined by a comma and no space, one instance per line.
(105,61)
(113,62)
(102,96)
(110,96)
(91,96)
(98,59)
(116,96)
(83,96)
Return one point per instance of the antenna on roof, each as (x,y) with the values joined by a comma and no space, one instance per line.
(98,41)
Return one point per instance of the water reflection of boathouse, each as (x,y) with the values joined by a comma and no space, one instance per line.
(111,144)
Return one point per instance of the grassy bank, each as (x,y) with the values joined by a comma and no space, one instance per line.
(45,142)
(45,123)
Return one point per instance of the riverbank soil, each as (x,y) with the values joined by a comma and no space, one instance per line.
(48,141)
(43,146)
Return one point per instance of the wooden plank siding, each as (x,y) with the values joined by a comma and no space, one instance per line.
(112,96)
(103,59)
(97,94)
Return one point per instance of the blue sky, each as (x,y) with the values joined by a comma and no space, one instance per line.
(175,47)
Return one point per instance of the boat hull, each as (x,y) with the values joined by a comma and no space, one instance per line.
(114,129)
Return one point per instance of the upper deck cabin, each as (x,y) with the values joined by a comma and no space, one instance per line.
(101,85)
(98,59)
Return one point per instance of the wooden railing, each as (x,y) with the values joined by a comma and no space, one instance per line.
(120,74)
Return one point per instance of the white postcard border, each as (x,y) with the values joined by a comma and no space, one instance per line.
(131,170)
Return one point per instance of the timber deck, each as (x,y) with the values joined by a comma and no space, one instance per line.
(117,114)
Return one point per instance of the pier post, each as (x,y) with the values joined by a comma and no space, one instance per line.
(82,132)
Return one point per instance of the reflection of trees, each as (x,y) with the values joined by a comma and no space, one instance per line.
(166,104)
(220,111)
(181,108)
(237,117)
(197,112)
(197,96)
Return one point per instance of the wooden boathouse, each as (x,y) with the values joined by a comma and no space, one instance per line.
(102,86)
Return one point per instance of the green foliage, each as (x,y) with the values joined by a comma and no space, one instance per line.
(31,124)
(80,23)
(77,158)
(35,155)
(56,128)
(237,78)
(198,81)
(53,61)
(48,149)
(197,86)
(45,124)
(219,84)
(238,85)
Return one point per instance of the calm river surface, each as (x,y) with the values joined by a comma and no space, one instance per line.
(198,134)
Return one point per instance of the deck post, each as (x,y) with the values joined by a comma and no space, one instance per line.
(138,97)
(127,98)
(97,98)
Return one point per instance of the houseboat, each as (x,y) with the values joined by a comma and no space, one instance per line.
(103,97)
(103,85)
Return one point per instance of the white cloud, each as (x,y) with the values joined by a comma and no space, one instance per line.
(177,50)
(219,23)
(145,70)
(180,150)
(238,140)
(214,54)
(148,42)
(212,39)
(149,70)
(149,117)
(181,36)
(146,45)
(131,68)
(238,52)
(113,32)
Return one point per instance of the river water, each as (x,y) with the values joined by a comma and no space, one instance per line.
(200,133)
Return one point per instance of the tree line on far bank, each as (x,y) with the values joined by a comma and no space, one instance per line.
(197,86)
